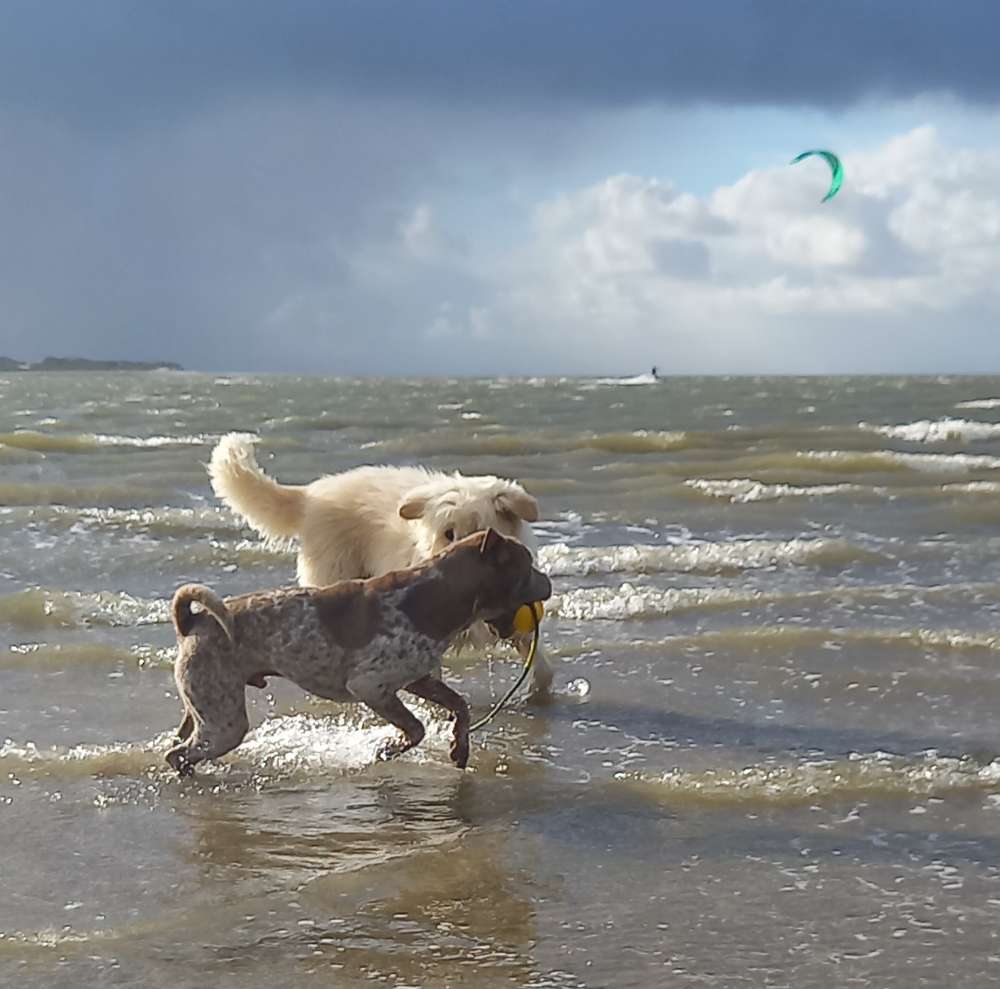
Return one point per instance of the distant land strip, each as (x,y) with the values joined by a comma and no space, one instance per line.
(83,364)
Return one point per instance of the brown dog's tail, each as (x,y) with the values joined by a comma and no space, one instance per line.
(274,510)
(184,617)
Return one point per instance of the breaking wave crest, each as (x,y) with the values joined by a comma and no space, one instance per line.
(628,602)
(858,461)
(82,654)
(631,602)
(979,403)
(114,495)
(859,776)
(562,560)
(639,441)
(41,608)
(744,490)
(158,521)
(30,439)
(937,431)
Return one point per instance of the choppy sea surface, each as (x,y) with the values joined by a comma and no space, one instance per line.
(772,757)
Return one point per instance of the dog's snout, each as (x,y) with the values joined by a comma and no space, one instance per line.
(541,586)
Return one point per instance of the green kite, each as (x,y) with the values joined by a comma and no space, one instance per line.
(835,167)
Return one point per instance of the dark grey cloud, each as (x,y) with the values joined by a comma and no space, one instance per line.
(122,62)
(228,183)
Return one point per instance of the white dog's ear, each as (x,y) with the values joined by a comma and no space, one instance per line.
(413,506)
(518,501)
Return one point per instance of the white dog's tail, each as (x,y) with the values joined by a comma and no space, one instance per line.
(274,510)
(214,605)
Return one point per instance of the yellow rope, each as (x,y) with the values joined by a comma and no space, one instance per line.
(495,710)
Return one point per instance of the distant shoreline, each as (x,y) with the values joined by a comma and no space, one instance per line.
(84,364)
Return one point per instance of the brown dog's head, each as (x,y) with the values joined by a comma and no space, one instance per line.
(506,578)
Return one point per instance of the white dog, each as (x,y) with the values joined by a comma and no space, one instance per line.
(371,520)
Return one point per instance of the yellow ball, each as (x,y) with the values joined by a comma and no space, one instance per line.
(523,620)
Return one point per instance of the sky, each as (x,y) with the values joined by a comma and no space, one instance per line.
(442,187)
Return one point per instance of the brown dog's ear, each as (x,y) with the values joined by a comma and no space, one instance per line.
(518,501)
(492,541)
(413,506)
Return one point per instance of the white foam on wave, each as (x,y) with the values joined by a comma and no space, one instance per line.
(629,602)
(854,460)
(973,487)
(42,607)
(979,403)
(861,774)
(104,439)
(562,560)
(744,490)
(936,431)
(635,379)
(278,747)
(165,518)
(299,743)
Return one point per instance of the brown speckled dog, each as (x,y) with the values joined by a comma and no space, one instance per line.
(358,640)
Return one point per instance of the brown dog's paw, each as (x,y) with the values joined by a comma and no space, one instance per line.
(389,750)
(177,759)
(459,751)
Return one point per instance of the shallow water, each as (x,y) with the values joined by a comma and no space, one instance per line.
(782,595)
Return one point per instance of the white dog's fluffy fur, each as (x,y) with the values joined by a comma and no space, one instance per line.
(371,520)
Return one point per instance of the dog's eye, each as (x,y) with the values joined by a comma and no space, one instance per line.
(449,534)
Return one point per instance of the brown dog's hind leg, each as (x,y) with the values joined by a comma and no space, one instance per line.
(185,728)
(209,741)
(433,690)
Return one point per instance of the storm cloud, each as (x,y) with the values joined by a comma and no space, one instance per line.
(121,63)
(355,187)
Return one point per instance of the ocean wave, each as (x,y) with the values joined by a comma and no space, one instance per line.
(66,655)
(631,602)
(13,455)
(868,775)
(159,521)
(635,379)
(744,490)
(562,560)
(75,762)
(26,494)
(97,655)
(782,638)
(153,442)
(638,441)
(972,487)
(979,403)
(29,439)
(628,602)
(203,537)
(849,461)
(41,608)
(937,431)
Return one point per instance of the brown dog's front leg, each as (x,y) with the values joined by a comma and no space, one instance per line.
(390,707)
(433,690)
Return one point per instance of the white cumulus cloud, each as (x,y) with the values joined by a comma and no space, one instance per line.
(759,274)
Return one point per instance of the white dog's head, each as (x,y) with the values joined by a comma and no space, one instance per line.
(451,508)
